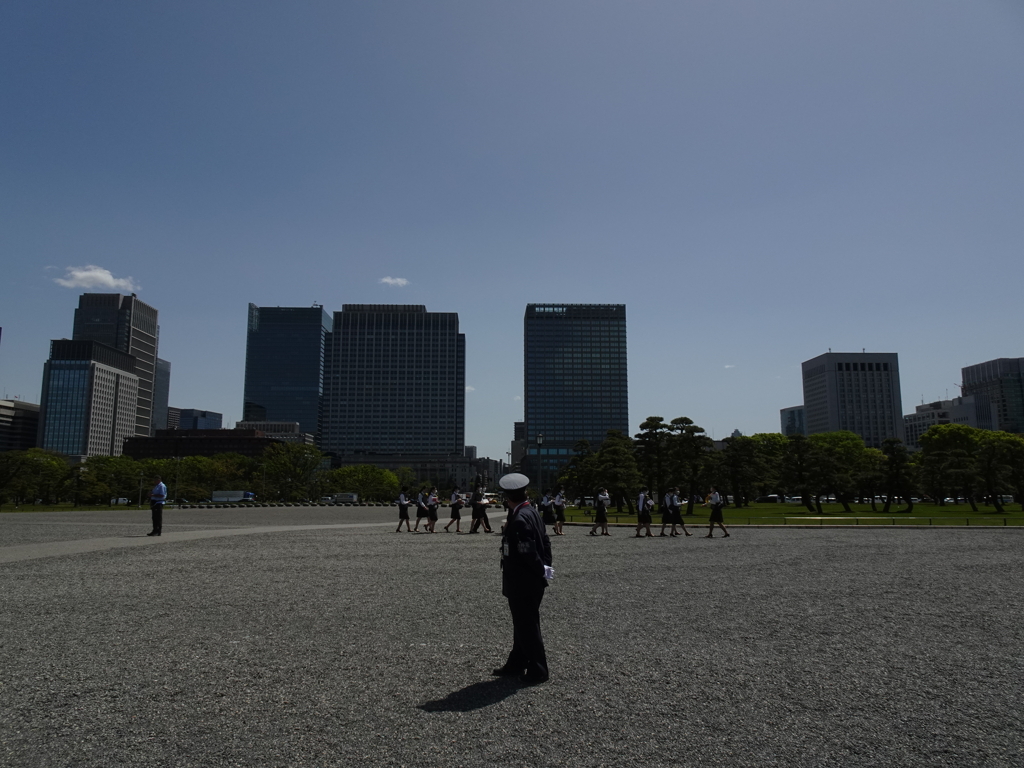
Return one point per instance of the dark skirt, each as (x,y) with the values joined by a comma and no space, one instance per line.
(601,515)
(403,511)
(560,514)
(666,515)
(716,514)
(643,518)
(548,515)
(421,512)
(677,516)
(432,511)
(457,512)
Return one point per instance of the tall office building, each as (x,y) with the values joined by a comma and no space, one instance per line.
(161,394)
(284,365)
(89,400)
(856,391)
(998,389)
(959,410)
(792,420)
(395,382)
(128,325)
(575,379)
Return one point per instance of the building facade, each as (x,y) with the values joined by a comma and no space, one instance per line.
(191,418)
(19,425)
(128,325)
(161,394)
(856,392)
(285,431)
(998,387)
(89,400)
(284,365)
(172,443)
(575,380)
(395,383)
(959,410)
(793,420)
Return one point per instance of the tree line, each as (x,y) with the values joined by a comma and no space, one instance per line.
(285,472)
(955,461)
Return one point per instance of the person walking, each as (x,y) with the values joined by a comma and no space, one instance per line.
(479,513)
(456,505)
(525,573)
(403,510)
(601,512)
(547,509)
(675,506)
(717,502)
(433,502)
(643,513)
(559,509)
(421,509)
(157,497)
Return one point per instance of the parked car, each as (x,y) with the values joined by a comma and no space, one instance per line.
(121,500)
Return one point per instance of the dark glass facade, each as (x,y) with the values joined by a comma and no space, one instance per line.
(284,365)
(161,394)
(395,382)
(89,399)
(575,379)
(129,325)
(998,389)
(190,418)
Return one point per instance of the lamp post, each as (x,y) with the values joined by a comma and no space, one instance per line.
(540,467)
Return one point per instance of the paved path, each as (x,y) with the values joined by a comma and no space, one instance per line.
(336,642)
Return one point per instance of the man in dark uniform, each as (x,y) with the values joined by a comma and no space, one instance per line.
(525,572)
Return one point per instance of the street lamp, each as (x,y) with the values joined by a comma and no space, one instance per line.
(540,467)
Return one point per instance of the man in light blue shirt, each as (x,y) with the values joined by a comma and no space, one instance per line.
(157,497)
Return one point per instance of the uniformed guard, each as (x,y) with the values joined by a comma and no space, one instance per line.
(525,573)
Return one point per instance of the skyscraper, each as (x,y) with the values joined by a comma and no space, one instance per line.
(284,365)
(854,391)
(998,389)
(161,394)
(395,382)
(89,399)
(575,379)
(128,325)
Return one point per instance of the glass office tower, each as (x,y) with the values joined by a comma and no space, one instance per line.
(395,382)
(998,389)
(89,399)
(284,365)
(129,325)
(575,380)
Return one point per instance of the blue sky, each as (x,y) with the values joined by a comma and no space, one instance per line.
(757,182)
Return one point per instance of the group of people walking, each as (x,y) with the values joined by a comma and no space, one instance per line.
(427,502)
(552,510)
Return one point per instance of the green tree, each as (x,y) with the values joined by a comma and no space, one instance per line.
(797,469)
(834,463)
(291,470)
(899,474)
(653,451)
(741,467)
(579,474)
(615,468)
(771,453)
(691,452)
(371,482)
(952,450)
(995,457)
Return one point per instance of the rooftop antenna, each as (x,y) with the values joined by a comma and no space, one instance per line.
(863,350)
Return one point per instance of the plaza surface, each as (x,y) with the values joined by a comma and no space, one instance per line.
(320,637)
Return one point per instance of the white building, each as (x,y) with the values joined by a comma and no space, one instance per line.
(959,410)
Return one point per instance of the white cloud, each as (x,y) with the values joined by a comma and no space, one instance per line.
(517,398)
(397,282)
(470,389)
(730,366)
(91,276)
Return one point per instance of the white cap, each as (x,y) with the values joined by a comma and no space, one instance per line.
(514,481)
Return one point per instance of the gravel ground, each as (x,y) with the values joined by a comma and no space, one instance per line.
(360,646)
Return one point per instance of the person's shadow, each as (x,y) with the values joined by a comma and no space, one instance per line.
(475,696)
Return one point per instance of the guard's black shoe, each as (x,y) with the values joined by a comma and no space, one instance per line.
(506,672)
(153,533)
(533,679)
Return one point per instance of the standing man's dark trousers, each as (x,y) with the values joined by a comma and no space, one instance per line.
(157,508)
(527,645)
